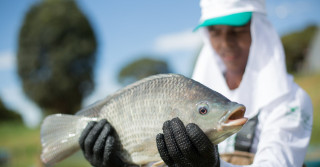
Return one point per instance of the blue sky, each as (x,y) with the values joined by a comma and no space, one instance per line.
(125,31)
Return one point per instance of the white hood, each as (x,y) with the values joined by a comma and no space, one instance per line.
(265,78)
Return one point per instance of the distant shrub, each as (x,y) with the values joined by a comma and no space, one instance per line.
(296,47)
(7,114)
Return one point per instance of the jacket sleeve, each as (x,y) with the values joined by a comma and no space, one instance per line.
(285,131)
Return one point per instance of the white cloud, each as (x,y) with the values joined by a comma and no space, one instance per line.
(7,60)
(180,41)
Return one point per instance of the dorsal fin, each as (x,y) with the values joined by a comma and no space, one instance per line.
(93,110)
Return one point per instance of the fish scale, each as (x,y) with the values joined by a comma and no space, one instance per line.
(137,113)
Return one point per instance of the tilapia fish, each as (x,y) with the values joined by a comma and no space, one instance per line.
(137,113)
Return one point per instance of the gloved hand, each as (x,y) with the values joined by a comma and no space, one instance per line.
(181,146)
(98,145)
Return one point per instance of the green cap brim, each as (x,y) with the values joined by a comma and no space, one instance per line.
(237,19)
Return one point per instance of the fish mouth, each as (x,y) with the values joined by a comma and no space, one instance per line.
(230,123)
(235,118)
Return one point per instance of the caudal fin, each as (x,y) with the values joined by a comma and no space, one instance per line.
(59,136)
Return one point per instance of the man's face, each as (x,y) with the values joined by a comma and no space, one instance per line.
(232,44)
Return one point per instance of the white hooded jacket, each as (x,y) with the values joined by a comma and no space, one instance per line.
(285,110)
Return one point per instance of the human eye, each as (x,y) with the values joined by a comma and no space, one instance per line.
(240,30)
(213,31)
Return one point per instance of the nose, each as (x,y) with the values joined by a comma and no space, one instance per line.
(227,40)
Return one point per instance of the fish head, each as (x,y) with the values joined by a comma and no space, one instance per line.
(216,115)
(221,121)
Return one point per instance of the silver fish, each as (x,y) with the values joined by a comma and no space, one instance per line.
(137,113)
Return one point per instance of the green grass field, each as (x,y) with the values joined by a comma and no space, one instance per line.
(22,145)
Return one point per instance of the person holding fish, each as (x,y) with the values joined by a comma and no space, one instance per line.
(243,59)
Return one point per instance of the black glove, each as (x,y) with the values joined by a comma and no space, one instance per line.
(181,146)
(98,145)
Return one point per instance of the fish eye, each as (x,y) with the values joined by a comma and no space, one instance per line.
(203,107)
(203,110)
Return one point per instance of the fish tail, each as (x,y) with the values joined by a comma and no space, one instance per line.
(59,136)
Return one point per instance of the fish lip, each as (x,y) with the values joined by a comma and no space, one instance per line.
(235,117)
(223,136)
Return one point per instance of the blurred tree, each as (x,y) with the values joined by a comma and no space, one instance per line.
(8,115)
(56,55)
(296,46)
(142,68)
